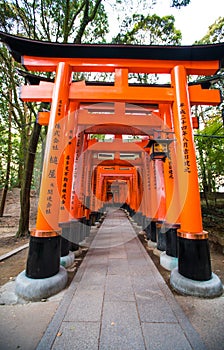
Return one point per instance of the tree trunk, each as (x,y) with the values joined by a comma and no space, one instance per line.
(9,156)
(23,229)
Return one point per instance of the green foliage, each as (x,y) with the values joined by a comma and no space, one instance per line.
(100,137)
(12,109)
(210,146)
(215,33)
(148,30)
(55,20)
(180,3)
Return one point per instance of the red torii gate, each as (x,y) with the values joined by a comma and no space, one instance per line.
(66,96)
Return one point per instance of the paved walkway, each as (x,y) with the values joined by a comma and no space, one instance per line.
(118,299)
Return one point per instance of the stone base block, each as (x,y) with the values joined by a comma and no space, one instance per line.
(152,244)
(205,289)
(67,260)
(36,289)
(168,262)
(83,243)
(157,252)
(78,252)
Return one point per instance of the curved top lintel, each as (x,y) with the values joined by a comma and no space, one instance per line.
(20,46)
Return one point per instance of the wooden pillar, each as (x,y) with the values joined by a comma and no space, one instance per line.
(147,194)
(66,185)
(44,252)
(172,221)
(194,257)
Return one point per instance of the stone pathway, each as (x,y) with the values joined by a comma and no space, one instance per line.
(118,299)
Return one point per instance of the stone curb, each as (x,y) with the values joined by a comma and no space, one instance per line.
(13,252)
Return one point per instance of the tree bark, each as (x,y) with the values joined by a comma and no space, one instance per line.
(9,156)
(23,229)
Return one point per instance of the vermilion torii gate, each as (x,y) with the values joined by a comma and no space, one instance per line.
(168,186)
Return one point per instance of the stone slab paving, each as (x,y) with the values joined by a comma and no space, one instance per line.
(118,299)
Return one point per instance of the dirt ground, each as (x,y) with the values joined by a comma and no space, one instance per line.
(11,267)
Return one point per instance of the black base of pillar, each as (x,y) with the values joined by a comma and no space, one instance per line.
(138,217)
(143,221)
(124,206)
(73,246)
(171,242)
(148,228)
(88,227)
(83,227)
(131,211)
(161,237)
(64,246)
(43,257)
(153,230)
(92,218)
(65,227)
(75,233)
(194,259)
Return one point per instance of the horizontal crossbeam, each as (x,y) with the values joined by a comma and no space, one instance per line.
(82,93)
(117,146)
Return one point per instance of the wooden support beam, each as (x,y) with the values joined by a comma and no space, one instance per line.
(199,96)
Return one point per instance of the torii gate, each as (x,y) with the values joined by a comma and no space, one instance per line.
(66,96)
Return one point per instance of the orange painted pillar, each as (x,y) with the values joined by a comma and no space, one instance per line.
(87,184)
(144,185)
(194,258)
(147,187)
(154,199)
(77,173)
(161,212)
(99,181)
(93,188)
(66,185)
(84,188)
(129,195)
(44,253)
(172,222)
(146,194)
(139,196)
(134,192)
(75,204)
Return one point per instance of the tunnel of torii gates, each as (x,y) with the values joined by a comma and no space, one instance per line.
(154,179)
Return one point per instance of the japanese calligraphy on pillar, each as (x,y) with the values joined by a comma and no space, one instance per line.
(65,184)
(75,182)
(148,172)
(94,187)
(83,174)
(54,159)
(88,191)
(154,174)
(170,169)
(67,169)
(185,140)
